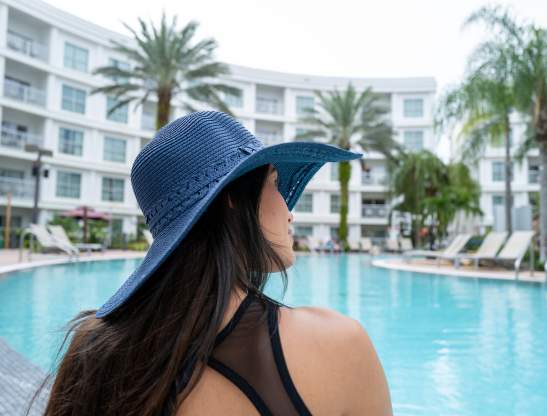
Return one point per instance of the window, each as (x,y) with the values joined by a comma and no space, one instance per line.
(235,100)
(121,65)
(68,184)
(12,174)
(414,140)
(334,171)
(498,200)
(119,114)
(334,203)
(73,99)
(305,203)
(113,189)
(533,174)
(71,141)
(114,149)
(303,104)
(334,232)
(498,171)
(75,57)
(303,230)
(413,107)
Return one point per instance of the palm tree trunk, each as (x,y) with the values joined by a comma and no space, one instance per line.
(508,179)
(543,199)
(164,108)
(344,173)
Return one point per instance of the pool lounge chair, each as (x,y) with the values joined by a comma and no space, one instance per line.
(59,234)
(457,245)
(488,249)
(514,250)
(406,244)
(366,244)
(47,241)
(392,245)
(354,245)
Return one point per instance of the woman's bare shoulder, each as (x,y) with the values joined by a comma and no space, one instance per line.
(338,350)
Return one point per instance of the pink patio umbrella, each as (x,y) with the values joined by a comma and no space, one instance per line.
(86,213)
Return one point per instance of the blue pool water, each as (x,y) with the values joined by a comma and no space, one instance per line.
(449,346)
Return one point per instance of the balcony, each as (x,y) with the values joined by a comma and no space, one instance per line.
(269,138)
(268,106)
(373,211)
(17,139)
(21,92)
(27,46)
(19,188)
(533,176)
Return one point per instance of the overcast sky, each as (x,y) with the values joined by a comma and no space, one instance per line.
(384,38)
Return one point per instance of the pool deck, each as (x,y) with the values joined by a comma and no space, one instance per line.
(9,259)
(19,380)
(420,265)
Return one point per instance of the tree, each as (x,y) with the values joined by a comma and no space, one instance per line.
(342,116)
(166,62)
(526,45)
(482,105)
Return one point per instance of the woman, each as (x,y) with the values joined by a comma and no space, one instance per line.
(191,332)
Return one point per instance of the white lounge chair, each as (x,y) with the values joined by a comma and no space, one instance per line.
(514,250)
(46,240)
(354,245)
(406,244)
(392,245)
(457,245)
(148,236)
(59,234)
(488,249)
(366,244)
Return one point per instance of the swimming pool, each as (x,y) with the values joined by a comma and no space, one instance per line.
(449,346)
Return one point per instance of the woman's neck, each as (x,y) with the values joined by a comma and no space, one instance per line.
(236,298)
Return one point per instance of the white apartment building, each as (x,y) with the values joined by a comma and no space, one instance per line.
(46,60)
(490,173)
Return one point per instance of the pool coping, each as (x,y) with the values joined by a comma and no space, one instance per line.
(539,277)
(14,267)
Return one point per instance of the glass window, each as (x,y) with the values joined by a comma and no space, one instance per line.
(498,171)
(305,203)
(334,203)
(303,103)
(414,140)
(71,141)
(122,65)
(114,149)
(113,189)
(119,114)
(12,173)
(334,171)
(334,232)
(498,200)
(68,184)
(235,100)
(413,107)
(300,130)
(533,174)
(75,57)
(73,99)
(303,230)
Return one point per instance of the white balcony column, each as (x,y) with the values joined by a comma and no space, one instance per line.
(50,135)
(2,74)
(3,25)
(250,104)
(55,48)
(51,95)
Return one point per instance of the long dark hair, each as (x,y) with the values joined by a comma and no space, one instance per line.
(127,362)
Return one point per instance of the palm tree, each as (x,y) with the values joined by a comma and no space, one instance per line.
(342,116)
(527,47)
(167,62)
(482,105)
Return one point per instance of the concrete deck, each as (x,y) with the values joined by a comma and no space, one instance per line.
(421,265)
(19,380)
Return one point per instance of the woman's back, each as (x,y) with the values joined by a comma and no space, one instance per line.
(279,361)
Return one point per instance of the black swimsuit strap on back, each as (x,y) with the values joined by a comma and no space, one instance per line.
(248,352)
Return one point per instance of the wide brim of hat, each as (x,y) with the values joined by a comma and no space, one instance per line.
(296,164)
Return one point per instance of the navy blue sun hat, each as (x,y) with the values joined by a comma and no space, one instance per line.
(189,161)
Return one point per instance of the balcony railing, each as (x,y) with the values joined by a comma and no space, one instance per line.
(374,180)
(373,211)
(19,188)
(269,138)
(24,93)
(27,46)
(268,106)
(12,138)
(148,121)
